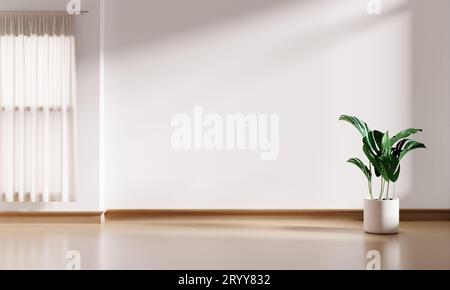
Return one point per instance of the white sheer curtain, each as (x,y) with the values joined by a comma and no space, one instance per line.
(37,107)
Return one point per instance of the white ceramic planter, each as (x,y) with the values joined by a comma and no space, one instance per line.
(381,216)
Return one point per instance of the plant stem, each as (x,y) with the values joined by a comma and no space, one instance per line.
(393,194)
(370,181)
(387,193)
(383,195)
(381,188)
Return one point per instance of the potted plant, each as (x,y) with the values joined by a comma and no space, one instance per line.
(384,153)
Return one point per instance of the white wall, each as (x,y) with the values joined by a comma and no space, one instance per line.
(308,61)
(87,38)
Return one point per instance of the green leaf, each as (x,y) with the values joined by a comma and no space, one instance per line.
(360,125)
(362,166)
(399,147)
(396,175)
(377,172)
(374,160)
(386,145)
(374,141)
(383,152)
(392,166)
(408,146)
(404,134)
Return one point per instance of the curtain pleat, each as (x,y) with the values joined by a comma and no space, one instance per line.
(37,108)
(28,25)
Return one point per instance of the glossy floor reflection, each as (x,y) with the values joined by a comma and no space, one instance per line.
(223,244)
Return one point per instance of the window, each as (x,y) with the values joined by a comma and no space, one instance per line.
(37,107)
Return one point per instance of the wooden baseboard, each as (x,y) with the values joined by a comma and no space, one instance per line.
(352,215)
(91,217)
(425,214)
(125,214)
(97,217)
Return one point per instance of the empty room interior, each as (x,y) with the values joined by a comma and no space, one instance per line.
(224,135)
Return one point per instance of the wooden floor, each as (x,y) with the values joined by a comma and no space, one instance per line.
(225,243)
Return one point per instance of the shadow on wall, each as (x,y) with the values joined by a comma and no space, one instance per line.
(152,27)
(430,75)
(162,23)
(164,19)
